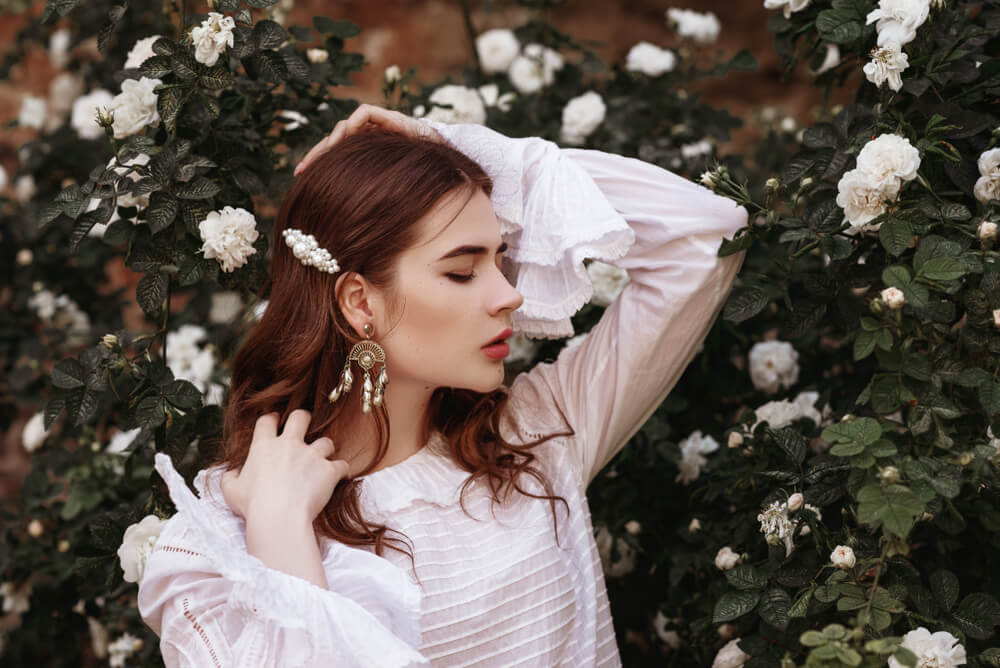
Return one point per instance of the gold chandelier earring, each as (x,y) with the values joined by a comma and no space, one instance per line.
(367,354)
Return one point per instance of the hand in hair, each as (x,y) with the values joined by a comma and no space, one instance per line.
(369,115)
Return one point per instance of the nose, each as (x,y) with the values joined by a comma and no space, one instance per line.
(505,296)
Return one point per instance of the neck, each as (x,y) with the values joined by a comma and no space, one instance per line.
(355,434)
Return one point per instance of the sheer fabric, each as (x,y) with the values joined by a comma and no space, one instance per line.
(497,586)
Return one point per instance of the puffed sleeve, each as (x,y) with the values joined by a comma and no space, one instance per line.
(214,604)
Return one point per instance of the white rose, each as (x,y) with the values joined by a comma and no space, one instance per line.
(34,432)
(650,59)
(608,282)
(16,599)
(84,115)
(669,637)
(730,656)
(135,107)
(614,567)
(696,149)
(887,65)
(725,558)
(887,159)
(580,117)
(226,306)
(98,638)
(789,6)
(59,47)
(466,105)
(120,441)
(782,413)
(694,526)
(295,119)
(940,649)
(32,113)
(497,49)
(140,51)
(988,185)
(137,545)
(122,648)
(534,68)
(897,20)
(702,28)
(842,557)
(773,364)
(795,501)
(987,231)
(212,37)
(893,298)
(317,55)
(64,89)
(735,439)
(830,60)
(693,451)
(24,188)
(391,74)
(228,236)
(861,201)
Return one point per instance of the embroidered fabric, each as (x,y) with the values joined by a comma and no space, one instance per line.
(545,260)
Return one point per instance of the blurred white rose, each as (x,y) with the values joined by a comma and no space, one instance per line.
(186,358)
(996,318)
(788,6)
(121,440)
(615,565)
(534,68)
(830,60)
(782,413)
(135,107)
(64,89)
(491,97)
(987,231)
(34,432)
(16,598)
(392,74)
(84,115)
(228,236)
(988,185)
(887,66)
(896,21)
(317,55)
(669,637)
(773,364)
(32,113)
(693,451)
(726,559)
(580,117)
(137,545)
(122,648)
(702,28)
(650,59)
(608,281)
(497,49)
(730,656)
(466,105)
(842,557)
(696,149)
(522,349)
(212,37)
(795,501)
(59,47)
(140,51)
(295,120)
(24,188)
(98,637)
(226,306)
(937,650)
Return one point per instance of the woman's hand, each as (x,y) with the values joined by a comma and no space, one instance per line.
(370,115)
(283,476)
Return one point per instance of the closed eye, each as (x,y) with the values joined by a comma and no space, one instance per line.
(461,278)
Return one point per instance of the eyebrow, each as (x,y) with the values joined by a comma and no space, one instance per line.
(470,250)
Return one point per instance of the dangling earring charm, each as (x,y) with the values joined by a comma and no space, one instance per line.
(367,354)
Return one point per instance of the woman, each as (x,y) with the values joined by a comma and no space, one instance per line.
(462,534)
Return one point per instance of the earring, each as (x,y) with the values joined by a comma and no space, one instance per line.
(367,354)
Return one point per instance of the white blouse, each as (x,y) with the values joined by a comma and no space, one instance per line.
(492,587)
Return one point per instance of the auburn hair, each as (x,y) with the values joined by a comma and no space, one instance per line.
(361,200)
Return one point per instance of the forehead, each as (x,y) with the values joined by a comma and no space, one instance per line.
(460,218)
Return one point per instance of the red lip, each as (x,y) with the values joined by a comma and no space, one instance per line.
(505,334)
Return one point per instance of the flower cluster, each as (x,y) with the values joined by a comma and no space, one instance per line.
(883,166)
(777,525)
(987,186)
(61,313)
(135,107)
(187,359)
(896,22)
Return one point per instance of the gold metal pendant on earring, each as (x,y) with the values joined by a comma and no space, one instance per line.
(367,354)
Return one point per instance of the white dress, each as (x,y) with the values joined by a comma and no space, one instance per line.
(495,588)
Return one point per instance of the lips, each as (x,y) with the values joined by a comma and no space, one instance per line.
(499,338)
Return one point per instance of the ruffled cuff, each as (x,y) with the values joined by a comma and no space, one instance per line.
(552,215)
(370,614)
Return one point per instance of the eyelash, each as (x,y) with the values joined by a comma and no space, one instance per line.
(461,278)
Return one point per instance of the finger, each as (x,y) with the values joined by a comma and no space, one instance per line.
(323,446)
(313,153)
(266,426)
(340,469)
(296,425)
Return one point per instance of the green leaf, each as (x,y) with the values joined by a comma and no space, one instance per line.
(895,507)
(864,344)
(774,607)
(835,26)
(216,78)
(191,271)
(151,412)
(151,291)
(791,442)
(955,211)
(895,235)
(244,16)
(896,276)
(270,65)
(745,304)
(942,268)
(200,187)
(183,395)
(801,605)
(944,584)
(260,4)
(53,408)
(734,604)
(977,614)
(164,47)
(185,66)
(989,396)
(269,35)
(156,67)
(162,210)
(746,578)
(68,374)
(862,431)
(168,102)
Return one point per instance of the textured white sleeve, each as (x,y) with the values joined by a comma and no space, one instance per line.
(213,604)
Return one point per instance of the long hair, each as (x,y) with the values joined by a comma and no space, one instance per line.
(361,200)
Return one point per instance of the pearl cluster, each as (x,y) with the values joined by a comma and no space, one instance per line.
(305,248)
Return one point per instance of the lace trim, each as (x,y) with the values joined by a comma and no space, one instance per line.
(201,633)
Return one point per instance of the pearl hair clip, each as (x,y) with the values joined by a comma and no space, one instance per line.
(305,248)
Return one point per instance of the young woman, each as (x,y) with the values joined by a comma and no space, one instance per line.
(462,535)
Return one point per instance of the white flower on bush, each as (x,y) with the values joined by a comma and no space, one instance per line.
(788,6)
(295,120)
(137,545)
(16,598)
(64,89)
(830,60)
(391,74)
(580,117)
(842,557)
(140,51)
(24,188)
(492,98)
(730,656)
(896,21)
(994,441)
(693,451)
(893,298)
(84,115)
(696,149)
(933,650)
(726,559)
(534,68)
(795,501)
(650,59)
(776,526)
(669,637)
(212,37)
(988,184)
(887,65)
(987,231)
(186,359)
(121,440)
(614,566)
(34,432)
(466,105)
(497,49)
(317,55)
(608,282)
(228,236)
(702,28)
(888,159)
(861,201)
(125,199)
(98,637)
(782,413)
(59,47)
(522,349)
(61,312)
(226,305)
(122,648)
(135,107)
(32,112)
(773,364)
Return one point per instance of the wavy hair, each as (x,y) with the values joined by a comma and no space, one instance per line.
(361,200)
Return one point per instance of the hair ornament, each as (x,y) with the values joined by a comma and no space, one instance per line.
(305,248)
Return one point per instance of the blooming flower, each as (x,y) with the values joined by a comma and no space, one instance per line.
(702,28)
(186,359)
(212,37)
(137,545)
(59,47)
(693,451)
(888,159)
(887,65)
(228,236)
(122,648)
(842,557)
(295,119)
(135,107)
(226,305)
(776,526)
(987,231)
(497,49)
(730,656)
(725,558)
(32,113)
(24,188)
(34,432)
(84,115)
(933,650)
(782,413)
(392,74)
(896,21)
(491,97)
(893,298)
(830,60)
(773,364)
(988,185)
(317,55)
(650,59)
(16,598)
(795,501)
(788,6)
(580,117)
(120,441)
(61,312)
(140,51)
(735,439)
(465,105)
(614,567)
(534,68)
(861,201)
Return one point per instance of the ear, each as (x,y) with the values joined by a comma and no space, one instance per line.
(359,301)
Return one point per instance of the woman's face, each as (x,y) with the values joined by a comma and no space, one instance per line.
(453,299)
